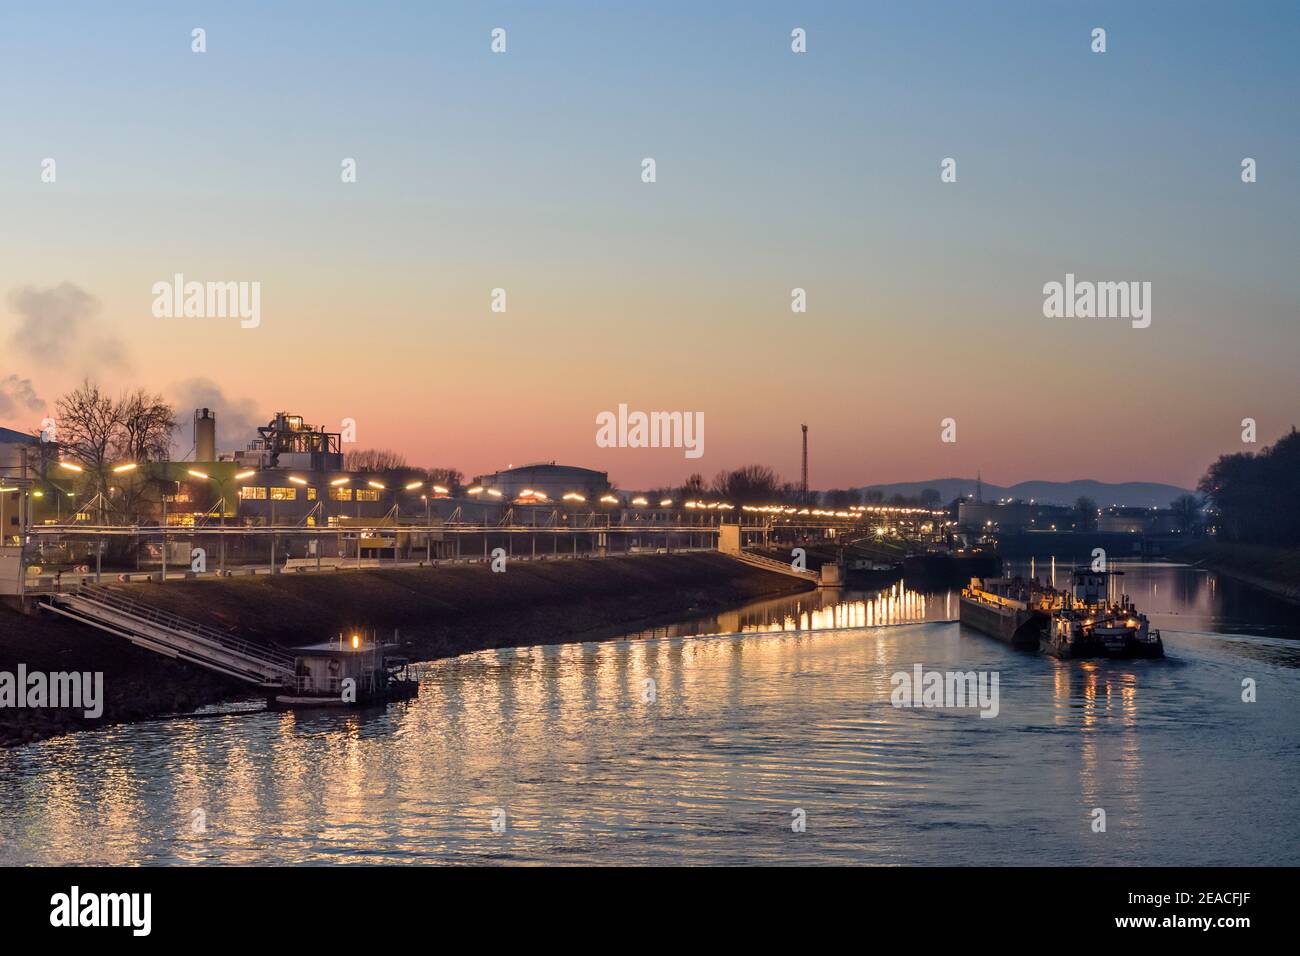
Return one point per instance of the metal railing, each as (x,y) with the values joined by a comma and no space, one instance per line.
(184,627)
(783,567)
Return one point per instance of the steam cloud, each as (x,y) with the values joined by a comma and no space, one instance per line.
(237,419)
(58,325)
(17,397)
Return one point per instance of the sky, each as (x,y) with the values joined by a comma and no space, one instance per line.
(774,170)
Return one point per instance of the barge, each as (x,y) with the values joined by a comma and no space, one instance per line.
(1010,609)
(1081,622)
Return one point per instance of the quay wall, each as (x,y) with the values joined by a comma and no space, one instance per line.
(436,612)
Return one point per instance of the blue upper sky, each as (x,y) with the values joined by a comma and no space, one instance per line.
(774,170)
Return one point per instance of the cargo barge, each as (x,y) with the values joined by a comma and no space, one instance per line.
(1081,622)
(1010,609)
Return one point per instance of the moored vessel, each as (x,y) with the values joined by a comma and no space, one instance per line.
(347,672)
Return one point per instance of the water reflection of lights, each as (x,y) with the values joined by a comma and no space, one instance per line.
(895,605)
(1095,697)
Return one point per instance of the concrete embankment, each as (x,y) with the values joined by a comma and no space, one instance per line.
(1269,568)
(438,612)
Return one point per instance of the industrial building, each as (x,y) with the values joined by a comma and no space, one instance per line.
(989,517)
(19,458)
(545,483)
(293,474)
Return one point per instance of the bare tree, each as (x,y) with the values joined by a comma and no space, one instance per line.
(1187,512)
(147,423)
(88,430)
(97,432)
(449,478)
(373,459)
(748,485)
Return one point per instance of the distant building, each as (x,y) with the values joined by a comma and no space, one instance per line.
(1138,521)
(1013,517)
(18,457)
(544,482)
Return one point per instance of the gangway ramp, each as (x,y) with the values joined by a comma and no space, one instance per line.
(173,635)
(771,564)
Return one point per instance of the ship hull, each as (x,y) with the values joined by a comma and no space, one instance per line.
(397,690)
(1130,648)
(1019,628)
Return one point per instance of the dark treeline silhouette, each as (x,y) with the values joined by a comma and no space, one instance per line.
(761,485)
(1257,496)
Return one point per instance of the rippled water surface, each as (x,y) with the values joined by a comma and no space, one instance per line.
(744,729)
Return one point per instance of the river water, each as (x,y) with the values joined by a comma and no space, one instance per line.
(767,736)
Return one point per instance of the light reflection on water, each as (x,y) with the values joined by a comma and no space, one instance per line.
(822,610)
(744,729)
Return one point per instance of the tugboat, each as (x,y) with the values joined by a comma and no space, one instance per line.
(346,673)
(1088,624)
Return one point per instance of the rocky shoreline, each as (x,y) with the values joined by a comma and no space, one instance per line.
(434,612)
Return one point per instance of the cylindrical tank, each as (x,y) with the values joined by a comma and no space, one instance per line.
(205,434)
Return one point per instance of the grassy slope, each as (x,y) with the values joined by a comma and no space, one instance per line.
(1275,569)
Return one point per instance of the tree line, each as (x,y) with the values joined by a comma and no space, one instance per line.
(1254,497)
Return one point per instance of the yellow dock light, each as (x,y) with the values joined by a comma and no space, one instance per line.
(38,494)
(526,493)
(639,502)
(440,490)
(494,492)
(336,482)
(70,466)
(375,484)
(245,474)
(574,496)
(665,503)
(197,474)
(356,641)
(609,499)
(129,466)
(476,490)
(413,485)
(296,480)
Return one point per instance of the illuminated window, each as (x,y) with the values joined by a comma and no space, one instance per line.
(284,494)
(340,494)
(252,493)
(311,494)
(367,494)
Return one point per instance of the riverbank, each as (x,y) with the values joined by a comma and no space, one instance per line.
(436,612)
(1269,568)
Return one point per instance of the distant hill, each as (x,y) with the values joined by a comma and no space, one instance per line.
(1133,494)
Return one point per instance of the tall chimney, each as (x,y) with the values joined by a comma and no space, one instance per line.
(803,478)
(205,434)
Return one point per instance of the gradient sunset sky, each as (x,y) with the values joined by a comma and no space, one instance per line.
(775,171)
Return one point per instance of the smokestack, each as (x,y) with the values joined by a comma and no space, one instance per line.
(803,478)
(205,434)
